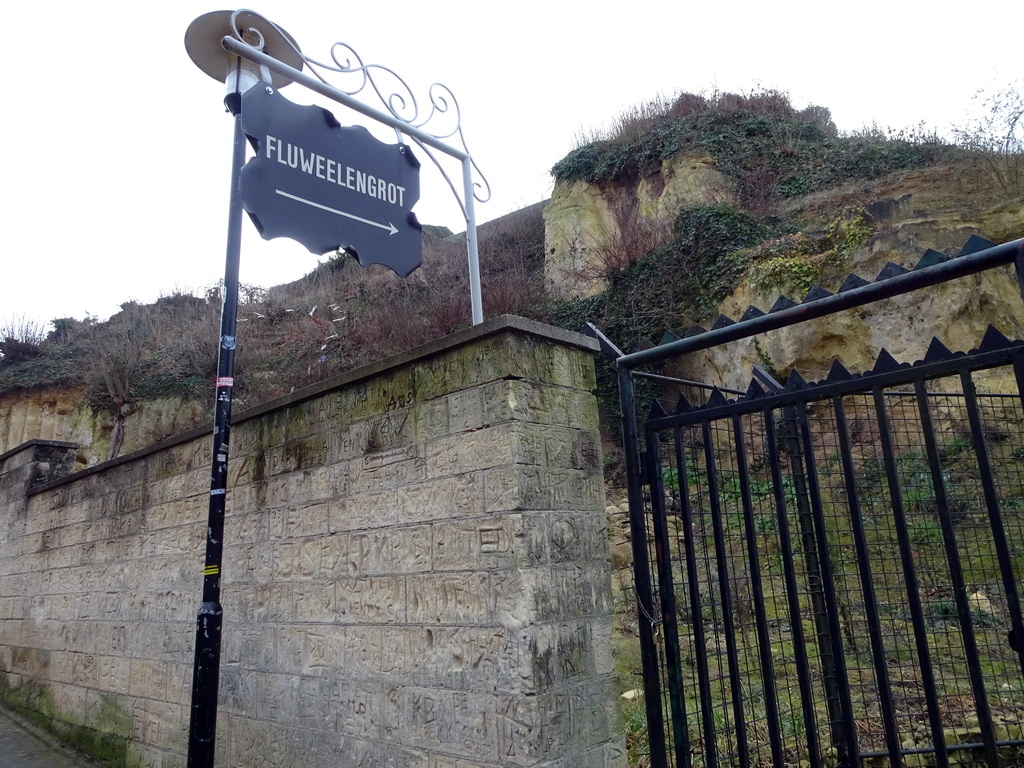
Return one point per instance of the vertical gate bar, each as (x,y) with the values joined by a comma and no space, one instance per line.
(642,571)
(994,514)
(1017,633)
(816,585)
(666,591)
(867,585)
(849,750)
(956,576)
(761,620)
(1016,637)
(910,576)
(803,669)
(1018,372)
(723,585)
(699,641)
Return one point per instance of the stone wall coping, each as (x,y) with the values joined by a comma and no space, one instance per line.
(491,327)
(36,442)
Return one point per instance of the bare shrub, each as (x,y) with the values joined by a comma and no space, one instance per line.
(67,330)
(515,242)
(768,101)
(632,123)
(820,117)
(118,352)
(343,315)
(20,338)
(686,104)
(637,120)
(186,331)
(996,134)
(515,292)
(634,237)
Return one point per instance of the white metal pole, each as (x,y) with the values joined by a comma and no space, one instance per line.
(471,246)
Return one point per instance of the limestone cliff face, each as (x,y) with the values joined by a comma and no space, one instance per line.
(64,414)
(585,223)
(913,212)
(957,312)
(47,414)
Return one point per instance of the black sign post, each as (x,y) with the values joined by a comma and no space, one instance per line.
(206,670)
(239,75)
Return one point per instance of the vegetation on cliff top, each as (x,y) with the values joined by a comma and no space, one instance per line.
(767,147)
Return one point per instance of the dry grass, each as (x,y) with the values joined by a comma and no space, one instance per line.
(637,120)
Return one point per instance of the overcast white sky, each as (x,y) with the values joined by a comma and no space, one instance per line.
(116,147)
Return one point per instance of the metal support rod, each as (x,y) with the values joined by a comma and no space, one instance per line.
(848,748)
(206,671)
(909,573)
(1004,552)
(726,618)
(764,643)
(700,644)
(471,243)
(773,441)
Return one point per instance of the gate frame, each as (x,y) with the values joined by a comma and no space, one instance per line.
(978,255)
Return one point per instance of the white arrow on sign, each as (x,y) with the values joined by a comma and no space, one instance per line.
(392,229)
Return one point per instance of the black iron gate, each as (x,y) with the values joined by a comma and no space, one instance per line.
(830,574)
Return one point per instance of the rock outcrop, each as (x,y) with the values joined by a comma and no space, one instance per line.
(64,414)
(957,312)
(585,224)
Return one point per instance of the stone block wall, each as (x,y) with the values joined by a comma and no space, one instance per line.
(415,574)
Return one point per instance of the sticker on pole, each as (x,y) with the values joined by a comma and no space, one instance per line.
(327,186)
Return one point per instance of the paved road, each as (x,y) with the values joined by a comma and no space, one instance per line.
(24,746)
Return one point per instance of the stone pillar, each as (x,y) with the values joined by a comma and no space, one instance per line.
(25,670)
(448,604)
(527,428)
(28,466)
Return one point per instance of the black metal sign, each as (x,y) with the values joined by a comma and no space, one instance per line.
(329,186)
